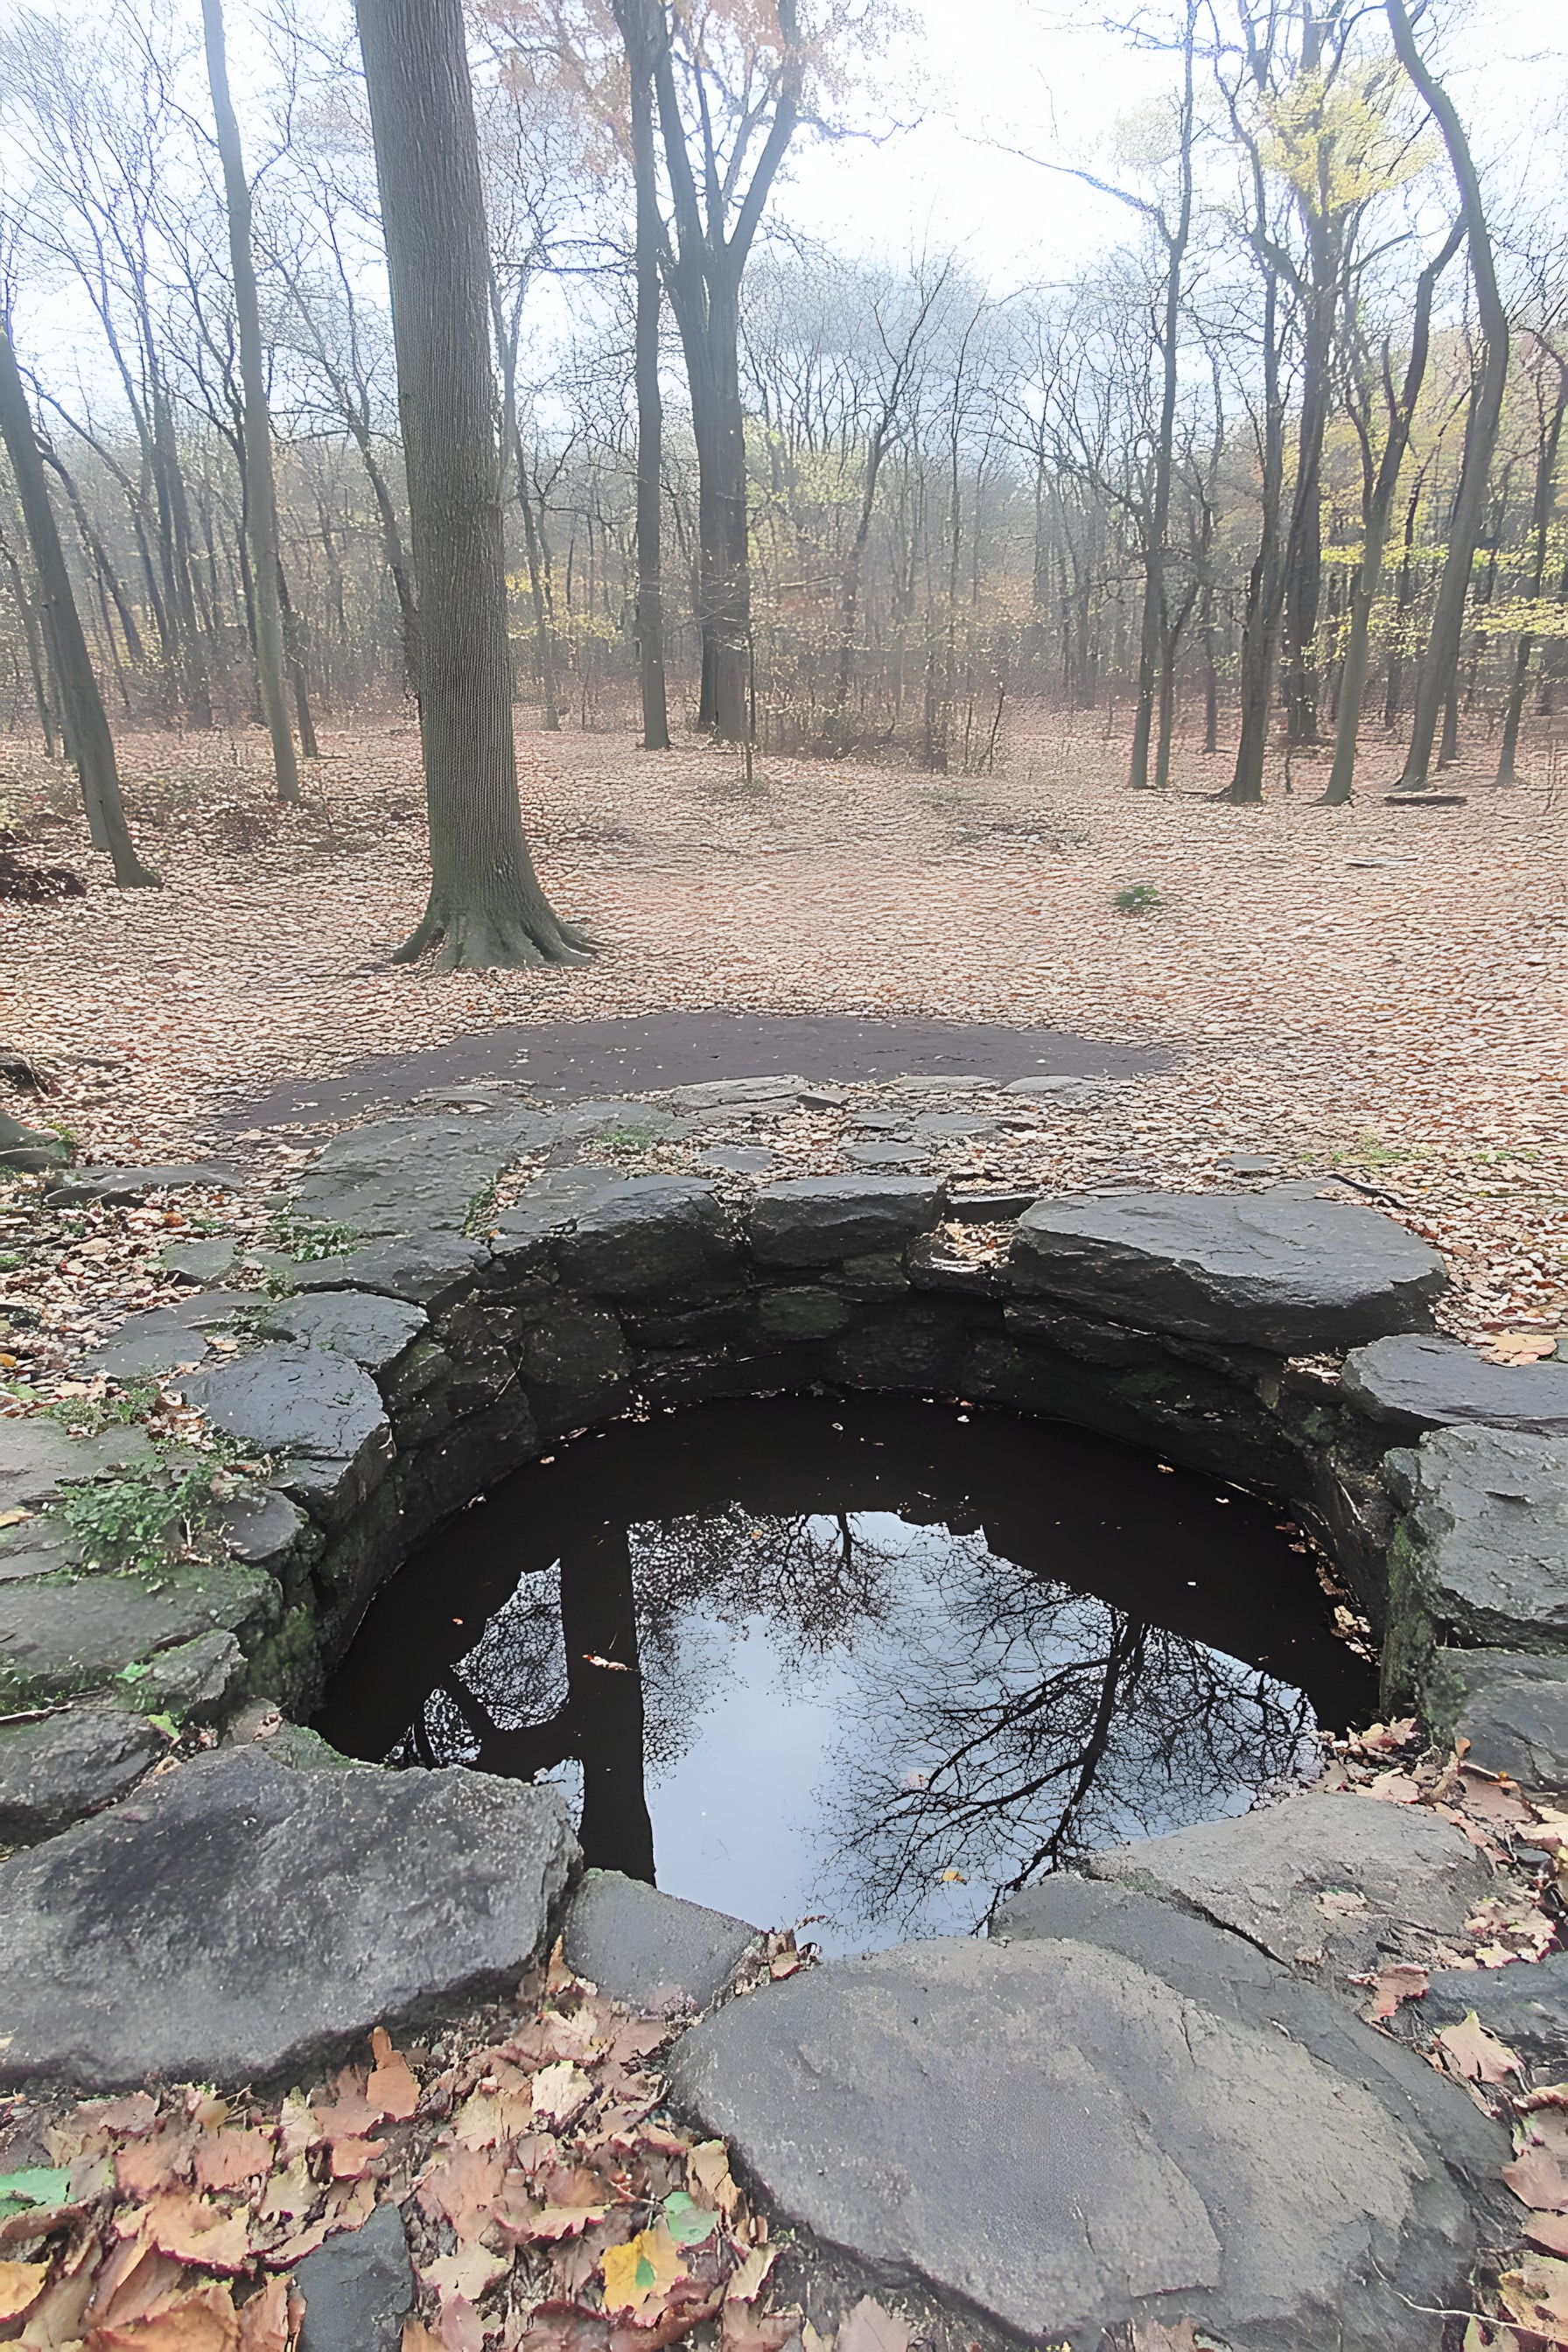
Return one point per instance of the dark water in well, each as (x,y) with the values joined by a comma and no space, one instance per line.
(870,1662)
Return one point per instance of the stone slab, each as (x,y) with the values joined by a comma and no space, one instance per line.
(1511,1705)
(293,1401)
(1060,2139)
(370,1328)
(60,1638)
(1525,2005)
(817,1220)
(201,1261)
(1420,1380)
(650,1950)
(647,1235)
(1293,1275)
(357,2288)
(404,1176)
(1341,1883)
(237,1920)
(123,1187)
(1483,1551)
(430,1270)
(68,1764)
(38,1458)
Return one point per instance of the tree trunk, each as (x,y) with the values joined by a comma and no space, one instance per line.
(1377,515)
(1439,668)
(642,43)
(261,497)
(29,620)
(486,906)
(1266,586)
(1542,507)
(91,745)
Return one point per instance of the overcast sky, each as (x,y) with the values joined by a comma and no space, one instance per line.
(984,73)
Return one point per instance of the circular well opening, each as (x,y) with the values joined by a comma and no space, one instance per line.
(867,1662)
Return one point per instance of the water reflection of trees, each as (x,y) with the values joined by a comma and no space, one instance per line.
(1004,1724)
(1042,1724)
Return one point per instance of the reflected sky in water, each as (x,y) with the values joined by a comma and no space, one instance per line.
(867,1663)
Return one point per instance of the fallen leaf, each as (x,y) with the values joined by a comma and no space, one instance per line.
(264,2319)
(460,2328)
(869,2328)
(1487,2335)
(467,2275)
(707,2169)
(689,2224)
(557,2221)
(1153,2335)
(1538,2178)
(1341,1902)
(1394,1789)
(20,2285)
(561,2091)
(1549,2230)
(416,2337)
(462,2187)
(748,2282)
(203,2322)
(191,2231)
(34,2185)
(151,2165)
(744,2329)
(1476,2054)
(227,2159)
(391,2089)
(642,2272)
(1392,1986)
(351,2159)
(1536,2294)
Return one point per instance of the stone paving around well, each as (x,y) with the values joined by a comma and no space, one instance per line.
(1148,2096)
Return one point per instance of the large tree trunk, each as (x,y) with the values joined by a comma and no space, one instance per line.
(261,492)
(1441,665)
(1266,587)
(91,744)
(643,42)
(486,906)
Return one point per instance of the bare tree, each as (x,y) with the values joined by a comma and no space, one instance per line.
(486,906)
(89,741)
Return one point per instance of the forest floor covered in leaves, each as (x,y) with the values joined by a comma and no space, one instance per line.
(1374,992)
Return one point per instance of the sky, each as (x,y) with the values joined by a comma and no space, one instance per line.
(985,75)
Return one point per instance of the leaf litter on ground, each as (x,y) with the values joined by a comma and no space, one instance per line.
(550,2204)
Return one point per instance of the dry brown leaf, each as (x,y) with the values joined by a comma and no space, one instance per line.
(460,2328)
(709,2176)
(416,2337)
(1474,2054)
(747,2283)
(1392,1986)
(1537,2178)
(561,2091)
(462,2186)
(204,2321)
(157,2163)
(228,2159)
(391,2088)
(264,2323)
(467,2275)
(20,2287)
(869,2328)
(1536,2295)
(190,2230)
(1549,2231)
(1153,2335)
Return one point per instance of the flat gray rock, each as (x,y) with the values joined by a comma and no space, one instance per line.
(1060,2139)
(1511,1705)
(60,1640)
(1483,1551)
(357,2288)
(650,1950)
(1420,1380)
(814,1220)
(416,1175)
(153,1344)
(646,1234)
(738,1160)
(38,1458)
(54,1771)
(888,1155)
(293,1401)
(201,1261)
(1524,2004)
(1344,1883)
(430,1269)
(371,1330)
(236,1919)
(1259,1270)
(123,1187)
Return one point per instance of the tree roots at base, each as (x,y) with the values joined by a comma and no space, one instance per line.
(484,938)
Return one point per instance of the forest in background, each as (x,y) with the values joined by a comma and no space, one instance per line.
(1280,464)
